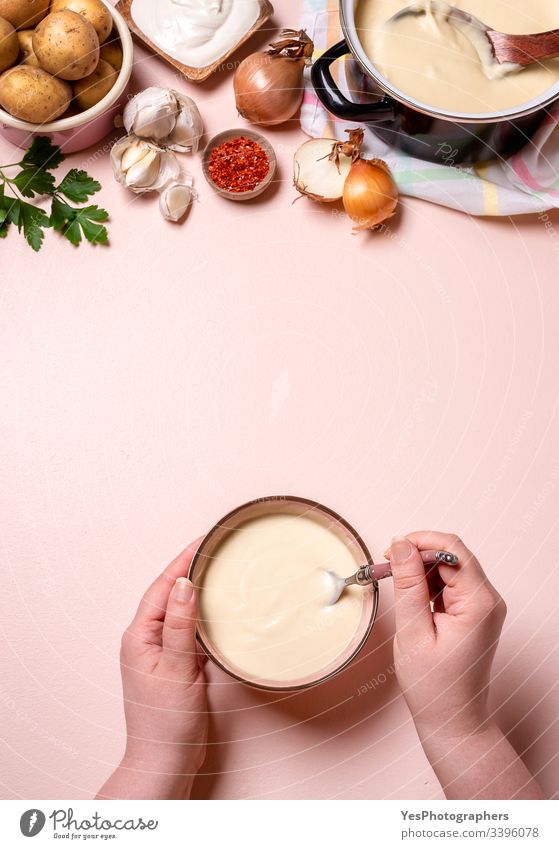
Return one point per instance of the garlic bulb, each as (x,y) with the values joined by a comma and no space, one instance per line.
(151,114)
(165,116)
(175,198)
(142,166)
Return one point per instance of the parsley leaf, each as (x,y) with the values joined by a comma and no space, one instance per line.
(31,219)
(31,181)
(78,186)
(43,154)
(34,179)
(4,221)
(72,222)
(34,220)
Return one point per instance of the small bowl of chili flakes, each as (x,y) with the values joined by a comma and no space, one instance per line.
(239,164)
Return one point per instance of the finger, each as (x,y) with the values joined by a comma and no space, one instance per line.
(179,654)
(153,605)
(434,582)
(468,577)
(414,619)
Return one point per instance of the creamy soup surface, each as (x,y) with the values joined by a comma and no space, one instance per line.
(264,598)
(432,61)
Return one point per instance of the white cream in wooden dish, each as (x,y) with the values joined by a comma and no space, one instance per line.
(265,598)
(431,60)
(195,32)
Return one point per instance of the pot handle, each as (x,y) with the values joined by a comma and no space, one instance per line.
(332,98)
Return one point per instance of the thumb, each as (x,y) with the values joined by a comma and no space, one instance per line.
(414,620)
(179,656)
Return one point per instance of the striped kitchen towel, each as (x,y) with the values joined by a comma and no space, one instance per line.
(526,182)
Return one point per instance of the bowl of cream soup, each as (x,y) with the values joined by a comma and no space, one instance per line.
(264,595)
(425,90)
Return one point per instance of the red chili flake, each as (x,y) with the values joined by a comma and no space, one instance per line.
(238,165)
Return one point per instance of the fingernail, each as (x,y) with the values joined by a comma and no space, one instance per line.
(400,549)
(183,590)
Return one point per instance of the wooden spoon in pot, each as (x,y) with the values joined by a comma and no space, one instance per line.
(500,53)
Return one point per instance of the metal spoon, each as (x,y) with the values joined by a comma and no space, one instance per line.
(375,572)
(500,53)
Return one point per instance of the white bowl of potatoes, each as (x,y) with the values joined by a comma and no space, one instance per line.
(65,66)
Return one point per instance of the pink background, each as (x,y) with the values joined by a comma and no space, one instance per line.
(406,379)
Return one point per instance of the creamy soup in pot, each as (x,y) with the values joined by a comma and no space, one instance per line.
(434,62)
(265,598)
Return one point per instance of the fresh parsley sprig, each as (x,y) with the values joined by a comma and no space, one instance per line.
(34,179)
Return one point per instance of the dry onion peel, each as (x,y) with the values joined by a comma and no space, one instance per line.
(269,86)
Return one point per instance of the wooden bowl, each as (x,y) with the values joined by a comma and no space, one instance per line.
(226,136)
(197,75)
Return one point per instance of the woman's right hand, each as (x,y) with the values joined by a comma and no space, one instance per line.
(443,657)
(443,660)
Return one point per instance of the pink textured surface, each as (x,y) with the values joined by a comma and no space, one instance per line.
(405,379)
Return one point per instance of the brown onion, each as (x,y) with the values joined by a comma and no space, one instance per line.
(269,86)
(370,195)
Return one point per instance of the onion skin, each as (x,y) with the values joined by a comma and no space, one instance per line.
(268,89)
(370,195)
(269,86)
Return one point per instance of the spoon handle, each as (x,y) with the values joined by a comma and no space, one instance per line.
(376,571)
(524,49)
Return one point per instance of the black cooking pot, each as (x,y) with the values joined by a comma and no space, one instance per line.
(416,128)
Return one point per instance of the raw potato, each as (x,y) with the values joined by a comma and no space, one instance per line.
(92,10)
(31,94)
(23,14)
(27,57)
(93,88)
(9,45)
(66,45)
(112,53)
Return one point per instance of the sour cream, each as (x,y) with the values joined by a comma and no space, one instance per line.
(265,598)
(434,62)
(195,32)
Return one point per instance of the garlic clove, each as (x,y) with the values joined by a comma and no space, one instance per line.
(143,166)
(169,170)
(142,174)
(187,132)
(132,154)
(175,198)
(152,113)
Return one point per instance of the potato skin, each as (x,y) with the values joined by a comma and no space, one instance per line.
(23,14)
(31,94)
(92,10)
(9,48)
(26,54)
(66,45)
(93,88)
(111,52)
